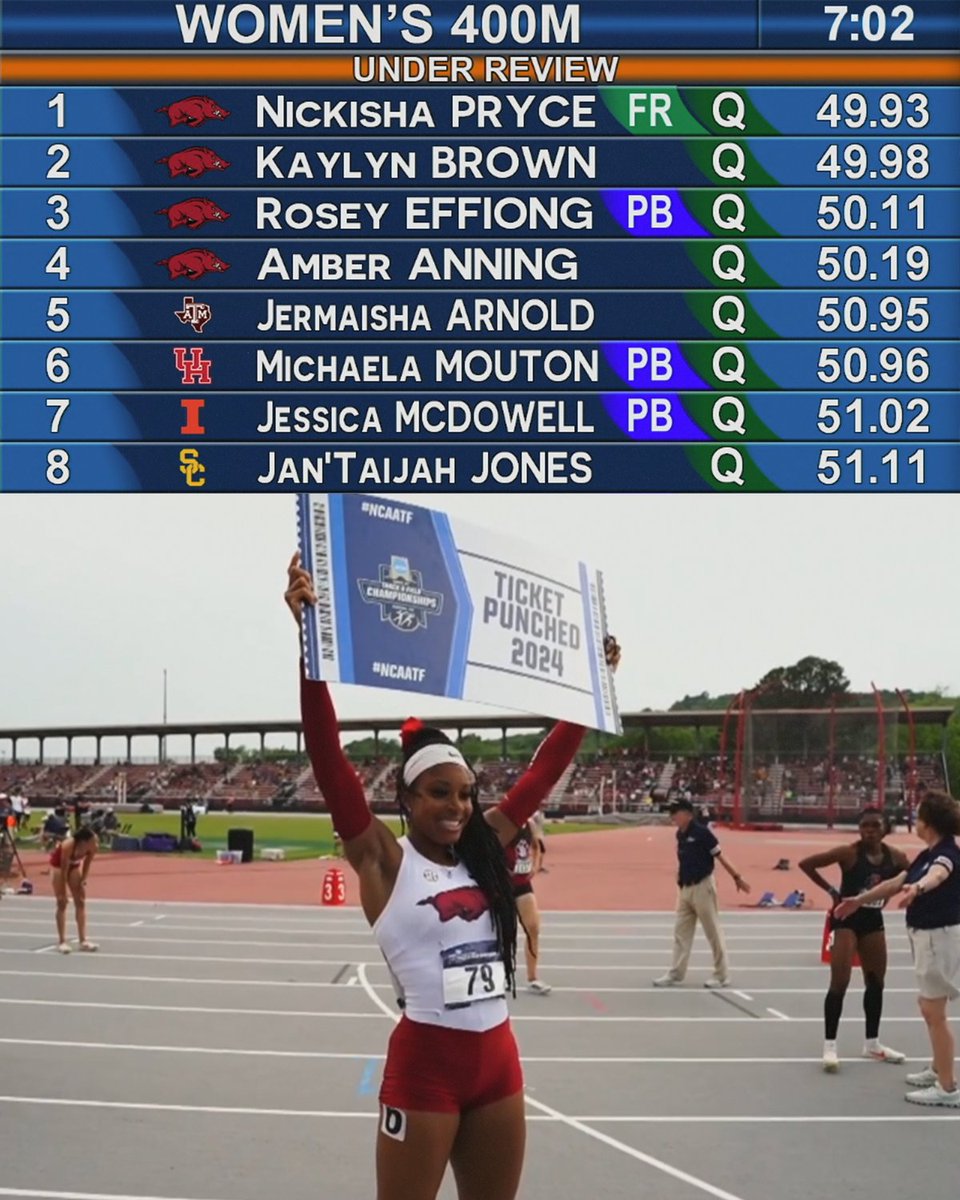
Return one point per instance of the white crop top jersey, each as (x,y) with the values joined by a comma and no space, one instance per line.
(439,942)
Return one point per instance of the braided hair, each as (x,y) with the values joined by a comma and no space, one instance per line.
(479,850)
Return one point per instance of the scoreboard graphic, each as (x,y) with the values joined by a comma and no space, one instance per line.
(622,246)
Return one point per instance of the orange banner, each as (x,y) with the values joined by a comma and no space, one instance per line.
(390,69)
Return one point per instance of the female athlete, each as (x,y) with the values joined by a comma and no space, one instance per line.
(70,863)
(863,864)
(524,857)
(442,911)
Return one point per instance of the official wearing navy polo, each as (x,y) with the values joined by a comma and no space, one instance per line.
(697,852)
(930,892)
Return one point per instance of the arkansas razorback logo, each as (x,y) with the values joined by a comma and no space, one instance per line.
(467,903)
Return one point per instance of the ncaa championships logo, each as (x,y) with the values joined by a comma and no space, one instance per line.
(402,598)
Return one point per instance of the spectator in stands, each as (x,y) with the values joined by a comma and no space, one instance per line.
(71,862)
(697,852)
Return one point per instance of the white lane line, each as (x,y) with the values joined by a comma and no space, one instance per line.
(177,979)
(551,934)
(517,1018)
(218,1110)
(378,962)
(587,1060)
(381,1004)
(227,1051)
(658,1164)
(699,952)
(184,1008)
(688,991)
(44,949)
(37,1194)
(819,1119)
(333,1114)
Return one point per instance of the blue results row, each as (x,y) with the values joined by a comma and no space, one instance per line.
(651,110)
(665,212)
(424,366)
(834,263)
(492,162)
(502,417)
(293,467)
(523,316)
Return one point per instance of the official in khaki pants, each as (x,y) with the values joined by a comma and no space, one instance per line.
(698,851)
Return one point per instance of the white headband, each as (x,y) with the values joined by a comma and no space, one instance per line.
(431,756)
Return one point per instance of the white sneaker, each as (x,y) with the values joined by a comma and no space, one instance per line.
(538,986)
(831,1061)
(90,947)
(923,1079)
(717,983)
(935,1096)
(666,981)
(65,948)
(883,1054)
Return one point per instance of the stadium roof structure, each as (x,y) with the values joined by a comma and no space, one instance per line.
(502,723)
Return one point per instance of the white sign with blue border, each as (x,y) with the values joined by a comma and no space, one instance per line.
(412,599)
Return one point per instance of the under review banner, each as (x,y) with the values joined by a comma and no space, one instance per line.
(411,599)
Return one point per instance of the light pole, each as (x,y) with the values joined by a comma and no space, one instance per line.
(163,743)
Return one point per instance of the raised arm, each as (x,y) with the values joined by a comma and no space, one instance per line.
(554,754)
(552,758)
(369,846)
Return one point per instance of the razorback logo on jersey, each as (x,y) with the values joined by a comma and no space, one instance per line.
(467,903)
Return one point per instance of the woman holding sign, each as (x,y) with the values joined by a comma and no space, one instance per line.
(863,864)
(442,910)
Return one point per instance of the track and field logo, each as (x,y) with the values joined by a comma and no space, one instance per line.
(403,600)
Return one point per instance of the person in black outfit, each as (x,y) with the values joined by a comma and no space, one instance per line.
(863,864)
(930,892)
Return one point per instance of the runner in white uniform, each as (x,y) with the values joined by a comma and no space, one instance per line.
(441,904)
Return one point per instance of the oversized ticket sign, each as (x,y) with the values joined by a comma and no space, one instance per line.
(410,598)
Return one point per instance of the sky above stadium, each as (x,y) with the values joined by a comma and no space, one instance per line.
(706,593)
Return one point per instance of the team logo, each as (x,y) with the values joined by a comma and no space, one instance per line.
(193,212)
(192,264)
(192,365)
(404,602)
(192,469)
(193,161)
(194,110)
(467,903)
(194,313)
(192,425)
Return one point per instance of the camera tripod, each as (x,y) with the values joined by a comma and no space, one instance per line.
(9,854)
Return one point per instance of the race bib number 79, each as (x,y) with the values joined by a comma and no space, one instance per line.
(472,973)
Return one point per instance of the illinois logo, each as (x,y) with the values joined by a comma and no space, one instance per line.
(403,600)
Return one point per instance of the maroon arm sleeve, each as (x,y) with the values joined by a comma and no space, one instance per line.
(335,776)
(549,763)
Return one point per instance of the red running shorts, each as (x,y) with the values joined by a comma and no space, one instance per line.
(431,1068)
